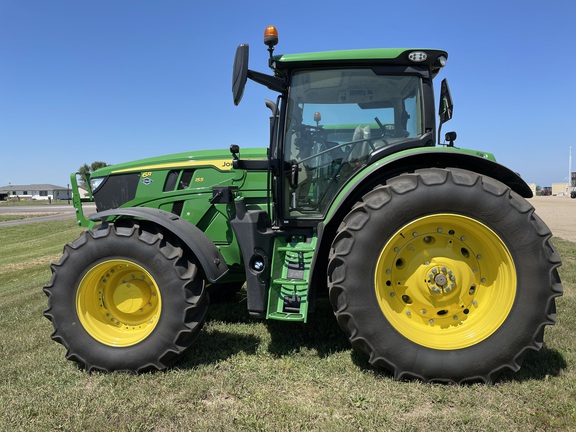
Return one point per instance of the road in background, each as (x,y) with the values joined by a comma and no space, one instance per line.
(48,213)
(559,213)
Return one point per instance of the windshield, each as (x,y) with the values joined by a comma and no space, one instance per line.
(335,119)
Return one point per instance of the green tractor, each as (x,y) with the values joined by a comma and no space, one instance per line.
(436,266)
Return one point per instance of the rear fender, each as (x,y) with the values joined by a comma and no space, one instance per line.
(411,160)
(208,255)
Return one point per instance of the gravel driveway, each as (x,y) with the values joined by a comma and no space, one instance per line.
(559,213)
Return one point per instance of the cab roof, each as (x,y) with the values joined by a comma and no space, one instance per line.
(377,56)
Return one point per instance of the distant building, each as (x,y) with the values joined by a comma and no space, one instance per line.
(35,192)
(560,189)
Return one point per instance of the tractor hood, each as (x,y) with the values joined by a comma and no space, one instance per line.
(220,159)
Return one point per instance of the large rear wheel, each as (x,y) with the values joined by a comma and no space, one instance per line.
(126,296)
(444,275)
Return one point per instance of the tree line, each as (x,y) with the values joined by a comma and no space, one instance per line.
(85,171)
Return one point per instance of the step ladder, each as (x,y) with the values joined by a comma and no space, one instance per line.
(291,263)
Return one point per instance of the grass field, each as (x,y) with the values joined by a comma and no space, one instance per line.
(8,217)
(249,375)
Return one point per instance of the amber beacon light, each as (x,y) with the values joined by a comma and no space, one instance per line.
(270,36)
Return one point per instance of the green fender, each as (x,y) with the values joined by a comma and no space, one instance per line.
(379,171)
(208,254)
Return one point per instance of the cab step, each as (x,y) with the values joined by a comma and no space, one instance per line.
(288,296)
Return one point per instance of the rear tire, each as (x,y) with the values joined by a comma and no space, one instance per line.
(444,275)
(126,297)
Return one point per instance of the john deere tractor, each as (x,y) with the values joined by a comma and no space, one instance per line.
(436,266)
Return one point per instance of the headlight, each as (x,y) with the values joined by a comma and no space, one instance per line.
(96,182)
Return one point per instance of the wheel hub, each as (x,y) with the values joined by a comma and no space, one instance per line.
(129,298)
(118,303)
(440,280)
(445,281)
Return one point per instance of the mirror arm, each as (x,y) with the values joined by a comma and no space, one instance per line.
(439,132)
(272,82)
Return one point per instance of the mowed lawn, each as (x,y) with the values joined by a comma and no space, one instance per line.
(244,374)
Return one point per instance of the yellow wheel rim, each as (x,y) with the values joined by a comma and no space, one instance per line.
(118,303)
(445,281)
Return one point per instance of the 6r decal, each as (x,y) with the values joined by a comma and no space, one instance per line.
(146,178)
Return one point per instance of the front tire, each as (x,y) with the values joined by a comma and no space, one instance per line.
(444,275)
(126,297)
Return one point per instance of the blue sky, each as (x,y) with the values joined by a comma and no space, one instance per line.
(117,80)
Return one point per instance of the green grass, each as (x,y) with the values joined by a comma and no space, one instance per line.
(249,375)
(9,217)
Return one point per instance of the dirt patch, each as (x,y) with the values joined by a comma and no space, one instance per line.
(559,213)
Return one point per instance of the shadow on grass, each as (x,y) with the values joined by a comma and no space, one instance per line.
(321,333)
(536,366)
(233,311)
(215,346)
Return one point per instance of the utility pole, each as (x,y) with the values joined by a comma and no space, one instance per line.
(570,185)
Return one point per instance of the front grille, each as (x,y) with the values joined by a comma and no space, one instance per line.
(116,190)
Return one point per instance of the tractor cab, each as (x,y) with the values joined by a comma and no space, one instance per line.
(338,112)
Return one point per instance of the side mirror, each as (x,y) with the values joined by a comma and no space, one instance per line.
(446,106)
(240,73)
